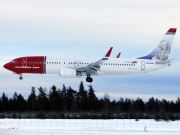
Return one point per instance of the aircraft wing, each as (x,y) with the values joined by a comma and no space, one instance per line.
(93,68)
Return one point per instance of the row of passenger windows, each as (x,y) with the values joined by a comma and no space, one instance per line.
(117,64)
(65,63)
(35,62)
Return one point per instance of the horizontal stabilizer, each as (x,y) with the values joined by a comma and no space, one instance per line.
(164,61)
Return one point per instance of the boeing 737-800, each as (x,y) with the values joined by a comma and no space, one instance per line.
(156,59)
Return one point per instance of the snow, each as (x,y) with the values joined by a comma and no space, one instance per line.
(87,127)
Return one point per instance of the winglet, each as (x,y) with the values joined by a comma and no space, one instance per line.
(119,54)
(109,52)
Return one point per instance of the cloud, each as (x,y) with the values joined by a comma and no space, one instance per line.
(114,22)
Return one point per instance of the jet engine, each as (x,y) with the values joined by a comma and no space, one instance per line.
(68,72)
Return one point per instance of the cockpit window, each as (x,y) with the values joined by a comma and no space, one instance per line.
(13,61)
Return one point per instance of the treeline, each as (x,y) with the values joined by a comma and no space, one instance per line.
(70,100)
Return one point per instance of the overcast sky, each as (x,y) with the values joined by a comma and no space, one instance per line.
(90,28)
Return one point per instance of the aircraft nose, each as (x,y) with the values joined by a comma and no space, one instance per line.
(6,66)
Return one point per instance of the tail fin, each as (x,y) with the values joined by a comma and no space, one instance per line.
(162,50)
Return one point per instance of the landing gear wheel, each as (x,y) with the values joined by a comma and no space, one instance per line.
(20,78)
(89,79)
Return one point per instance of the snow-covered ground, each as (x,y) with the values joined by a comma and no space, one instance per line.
(87,127)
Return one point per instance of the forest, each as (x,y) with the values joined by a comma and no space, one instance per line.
(69,103)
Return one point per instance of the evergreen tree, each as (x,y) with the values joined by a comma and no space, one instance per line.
(76,101)
(54,99)
(151,105)
(82,98)
(13,102)
(127,105)
(157,105)
(178,104)
(42,100)
(139,105)
(21,103)
(4,103)
(71,99)
(32,100)
(121,105)
(1,108)
(172,107)
(64,98)
(113,106)
(165,105)
(92,99)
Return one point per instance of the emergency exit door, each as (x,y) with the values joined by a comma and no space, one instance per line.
(142,65)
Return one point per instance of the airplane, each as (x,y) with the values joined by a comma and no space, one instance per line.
(156,58)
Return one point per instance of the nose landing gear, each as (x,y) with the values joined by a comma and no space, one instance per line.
(89,79)
(20,78)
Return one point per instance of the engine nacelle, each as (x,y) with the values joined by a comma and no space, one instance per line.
(67,72)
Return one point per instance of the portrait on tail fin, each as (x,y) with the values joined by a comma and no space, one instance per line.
(164,51)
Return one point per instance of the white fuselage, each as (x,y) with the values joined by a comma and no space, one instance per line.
(112,66)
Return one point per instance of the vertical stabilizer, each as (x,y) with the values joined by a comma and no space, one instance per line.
(163,49)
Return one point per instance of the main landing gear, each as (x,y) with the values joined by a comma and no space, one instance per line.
(20,78)
(89,79)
